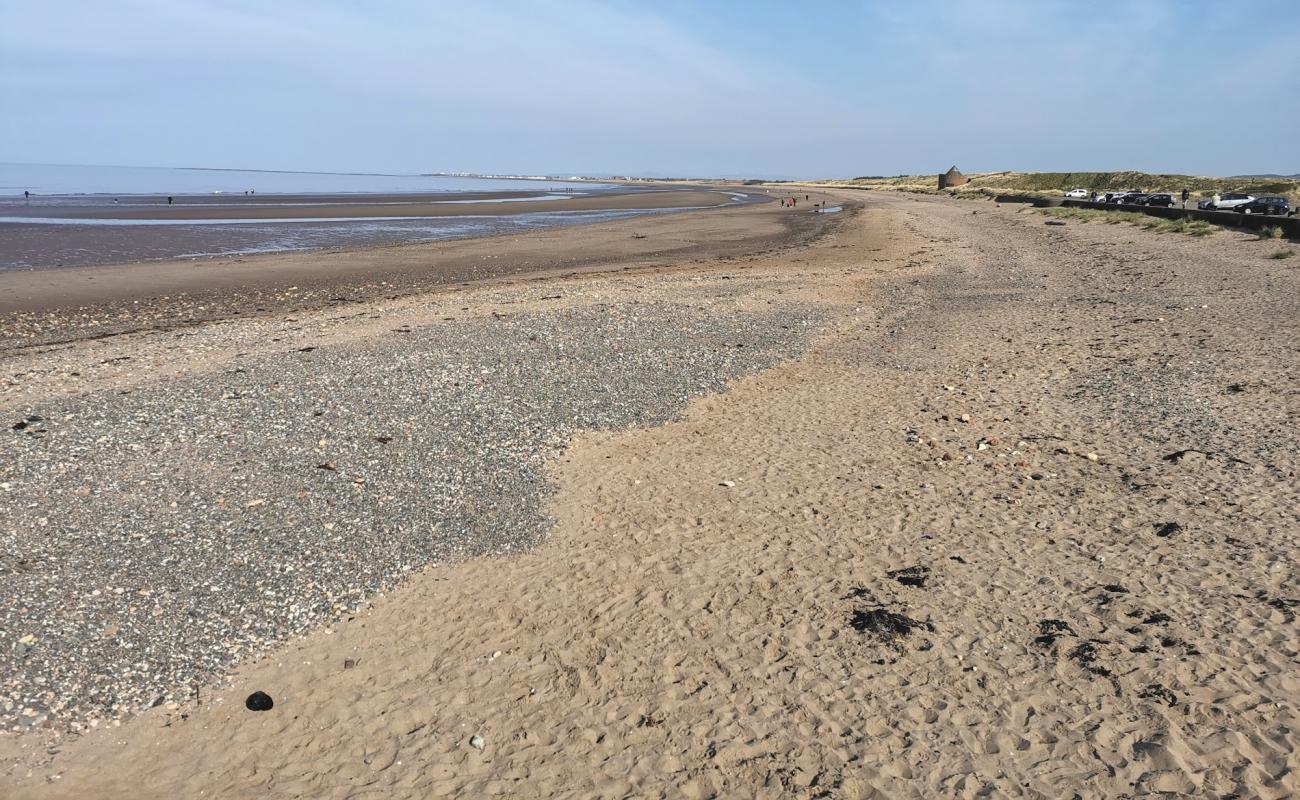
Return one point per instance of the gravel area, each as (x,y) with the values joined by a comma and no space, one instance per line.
(155,537)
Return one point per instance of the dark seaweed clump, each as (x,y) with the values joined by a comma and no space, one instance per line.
(889,626)
(1049,630)
(910,576)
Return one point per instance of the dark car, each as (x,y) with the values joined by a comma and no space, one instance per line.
(1266,205)
(1135,198)
(1165,200)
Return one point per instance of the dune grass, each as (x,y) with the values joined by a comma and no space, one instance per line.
(1054,184)
(1271,232)
(1281,254)
(1191,227)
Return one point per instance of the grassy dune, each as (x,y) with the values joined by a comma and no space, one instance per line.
(1056,183)
(1157,224)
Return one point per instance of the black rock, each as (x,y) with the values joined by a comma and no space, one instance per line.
(259,701)
(1166,529)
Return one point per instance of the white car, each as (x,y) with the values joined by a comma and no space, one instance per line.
(1231,200)
(1077,193)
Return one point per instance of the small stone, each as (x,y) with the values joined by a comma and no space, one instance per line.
(1091,456)
(255,503)
(259,701)
(727,484)
(964,418)
(477,742)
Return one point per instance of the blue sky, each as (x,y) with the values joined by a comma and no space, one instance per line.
(666,88)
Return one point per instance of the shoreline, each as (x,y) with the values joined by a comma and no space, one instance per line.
(42,307)
(75,232)
(344,207)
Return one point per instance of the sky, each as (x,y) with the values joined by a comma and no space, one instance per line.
(663,88)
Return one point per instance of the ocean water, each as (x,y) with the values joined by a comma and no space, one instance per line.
(67,179)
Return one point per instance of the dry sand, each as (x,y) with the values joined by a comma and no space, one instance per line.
(1023,522)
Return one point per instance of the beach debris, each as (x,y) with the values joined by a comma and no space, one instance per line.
(1166,529)
(728,484)
(1286,605)
(327,466)
(1054,222)
(638,236)
(1085,655)
(477,742)
(349,663)
(305,349)
(259,701)
(891,627)
(910,576)
(1193,455)
(1156,691)
(1173,641)
(1115,588)
(383,439)
(261,501)
(1049,630)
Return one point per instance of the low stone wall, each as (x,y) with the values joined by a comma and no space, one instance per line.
(1290,225)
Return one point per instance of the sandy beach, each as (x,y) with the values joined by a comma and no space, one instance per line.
(926,498)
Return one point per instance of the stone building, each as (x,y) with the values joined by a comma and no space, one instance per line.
(951,178)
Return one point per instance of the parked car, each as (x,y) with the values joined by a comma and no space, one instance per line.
(1135,198)
(1266,205)
(1206,205)
(1078,194)
(1229,201)
(1165,200)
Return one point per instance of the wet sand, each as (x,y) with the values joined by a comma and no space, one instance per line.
(48,306)
(368,206)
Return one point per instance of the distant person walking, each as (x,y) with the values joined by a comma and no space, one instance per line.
(1214,201)
(169,201)
(27,195)
(1186,194)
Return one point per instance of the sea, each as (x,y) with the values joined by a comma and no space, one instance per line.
(29,241)
(71,179)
